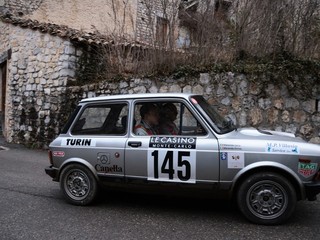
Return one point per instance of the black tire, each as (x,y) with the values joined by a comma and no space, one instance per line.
(78,184)
(266,198)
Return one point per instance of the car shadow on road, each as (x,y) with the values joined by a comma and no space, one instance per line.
(191,206)
(177,205)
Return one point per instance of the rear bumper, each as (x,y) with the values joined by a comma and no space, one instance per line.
(312,189)
(52,172)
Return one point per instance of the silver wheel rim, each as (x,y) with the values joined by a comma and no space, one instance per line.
(77,184)
(267,199)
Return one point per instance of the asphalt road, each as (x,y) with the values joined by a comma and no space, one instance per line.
(32,207)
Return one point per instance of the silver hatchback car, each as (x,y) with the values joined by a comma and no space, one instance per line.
(179,142)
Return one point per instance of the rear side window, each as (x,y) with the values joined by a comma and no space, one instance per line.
(102,119)
(70,120)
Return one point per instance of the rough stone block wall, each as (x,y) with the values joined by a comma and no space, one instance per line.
(4,30)
(147,12)
(38,71)
(22,6)
(244,99)
(146,20)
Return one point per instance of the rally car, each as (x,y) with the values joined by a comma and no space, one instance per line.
(111,141)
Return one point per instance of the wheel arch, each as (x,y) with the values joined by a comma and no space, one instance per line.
(269,167)
(77,161)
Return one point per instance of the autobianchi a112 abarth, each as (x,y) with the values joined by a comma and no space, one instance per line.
(179,142)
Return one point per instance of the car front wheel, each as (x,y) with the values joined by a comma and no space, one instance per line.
(78,184)
(266,198)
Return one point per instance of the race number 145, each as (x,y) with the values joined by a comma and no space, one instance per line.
(172,165)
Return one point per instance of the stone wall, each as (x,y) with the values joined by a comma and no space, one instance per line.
(39,68)
(247,100)
(40,107)
(4,40)
(147,14)
(21,6)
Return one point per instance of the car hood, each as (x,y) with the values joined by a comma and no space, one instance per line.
(253,133)
(265,141)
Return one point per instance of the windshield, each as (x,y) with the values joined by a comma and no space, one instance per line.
(220,124)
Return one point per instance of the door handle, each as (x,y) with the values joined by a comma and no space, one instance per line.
(134,144)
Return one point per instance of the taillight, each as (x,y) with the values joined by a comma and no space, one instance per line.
(50,157)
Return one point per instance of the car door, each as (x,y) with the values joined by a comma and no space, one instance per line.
(99,136)
(190,156)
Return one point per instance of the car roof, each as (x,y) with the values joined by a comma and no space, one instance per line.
(138,96)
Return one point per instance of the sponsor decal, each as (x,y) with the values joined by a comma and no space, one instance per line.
(78,142)
(230,147)
(58,154)
(224,156)
(173,142)
(104,164)
(306,169)
(282,148)
(235,160)
(108,169)
(104,158)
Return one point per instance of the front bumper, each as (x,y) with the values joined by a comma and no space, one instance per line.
(312,189)
(52,172)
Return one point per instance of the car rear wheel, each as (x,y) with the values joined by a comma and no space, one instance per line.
(266,198)
(78,184)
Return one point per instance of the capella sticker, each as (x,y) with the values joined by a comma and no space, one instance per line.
(105,165)
(307,169)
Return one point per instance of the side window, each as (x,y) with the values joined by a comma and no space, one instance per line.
(105,119)
(165,118)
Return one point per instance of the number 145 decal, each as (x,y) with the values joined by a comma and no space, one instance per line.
(172,165)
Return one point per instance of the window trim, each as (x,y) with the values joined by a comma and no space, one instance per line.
(186,104)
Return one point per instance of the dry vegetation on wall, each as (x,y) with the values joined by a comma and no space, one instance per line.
(264,27)
(219,31)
